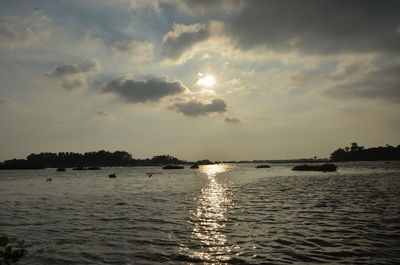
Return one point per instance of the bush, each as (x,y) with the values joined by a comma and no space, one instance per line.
(8,255)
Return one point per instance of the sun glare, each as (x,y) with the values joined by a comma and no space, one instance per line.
(207,81)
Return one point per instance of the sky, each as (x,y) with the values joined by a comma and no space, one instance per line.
(210,79)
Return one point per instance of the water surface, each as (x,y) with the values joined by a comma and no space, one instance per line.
(218,214)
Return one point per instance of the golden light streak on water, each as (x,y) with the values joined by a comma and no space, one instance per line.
(209,218)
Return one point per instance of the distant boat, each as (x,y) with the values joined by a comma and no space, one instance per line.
(112,176)
(61,169)
(194,166)
(49,179)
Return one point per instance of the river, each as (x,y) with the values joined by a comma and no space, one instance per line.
(217,214)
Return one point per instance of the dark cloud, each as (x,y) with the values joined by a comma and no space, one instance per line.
(73,84)
(182,38)
(232,120)
(102,113)
(152,89)
(73,76)
(318,27)
(86,66)
(105,114)
(383,83)
(4,101)
(197,108)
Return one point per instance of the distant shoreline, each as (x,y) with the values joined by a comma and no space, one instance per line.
(124,159)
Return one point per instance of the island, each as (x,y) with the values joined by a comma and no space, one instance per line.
(359,153)
(87,161)
(324,168)
(263,166)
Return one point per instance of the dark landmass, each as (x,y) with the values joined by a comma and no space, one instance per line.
(263,166)
(86,161)
(20,164)
(194,166)
(359,153)
(86,168)
(301,160)
(173,167)
(95,160)
(324,168)
(204,162)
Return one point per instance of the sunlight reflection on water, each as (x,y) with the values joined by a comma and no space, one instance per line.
(209,218)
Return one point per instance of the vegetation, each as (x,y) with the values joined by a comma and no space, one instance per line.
(324,168)
(359,153)
(204,162)
(173,167)
(86,168)
(86,161)
(263,166)
(20,164)
(95,160)
(7,254)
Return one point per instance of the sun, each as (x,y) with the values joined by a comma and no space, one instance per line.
(206,80)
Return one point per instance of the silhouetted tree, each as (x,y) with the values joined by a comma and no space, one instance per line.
(88,159)
(359,153)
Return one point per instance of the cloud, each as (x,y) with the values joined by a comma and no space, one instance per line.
(182,38)
(232,120)
(105,114)
(191,7)
(383,82)
(318,27)
(196,7)
(184,41)
(149,90)
(24,32)
(4,102)
(196,107)
(134,51)
(85,67)
(73,76)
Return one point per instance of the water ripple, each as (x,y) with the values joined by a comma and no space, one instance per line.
(215,215)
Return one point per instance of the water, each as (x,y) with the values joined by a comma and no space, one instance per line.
(219,214)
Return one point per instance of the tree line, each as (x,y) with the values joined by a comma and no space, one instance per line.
(359,153)
(98,158)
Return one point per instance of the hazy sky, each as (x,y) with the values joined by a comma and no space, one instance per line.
(215,79)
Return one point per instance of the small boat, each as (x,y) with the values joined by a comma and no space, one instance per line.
(49,179)
(112,176)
